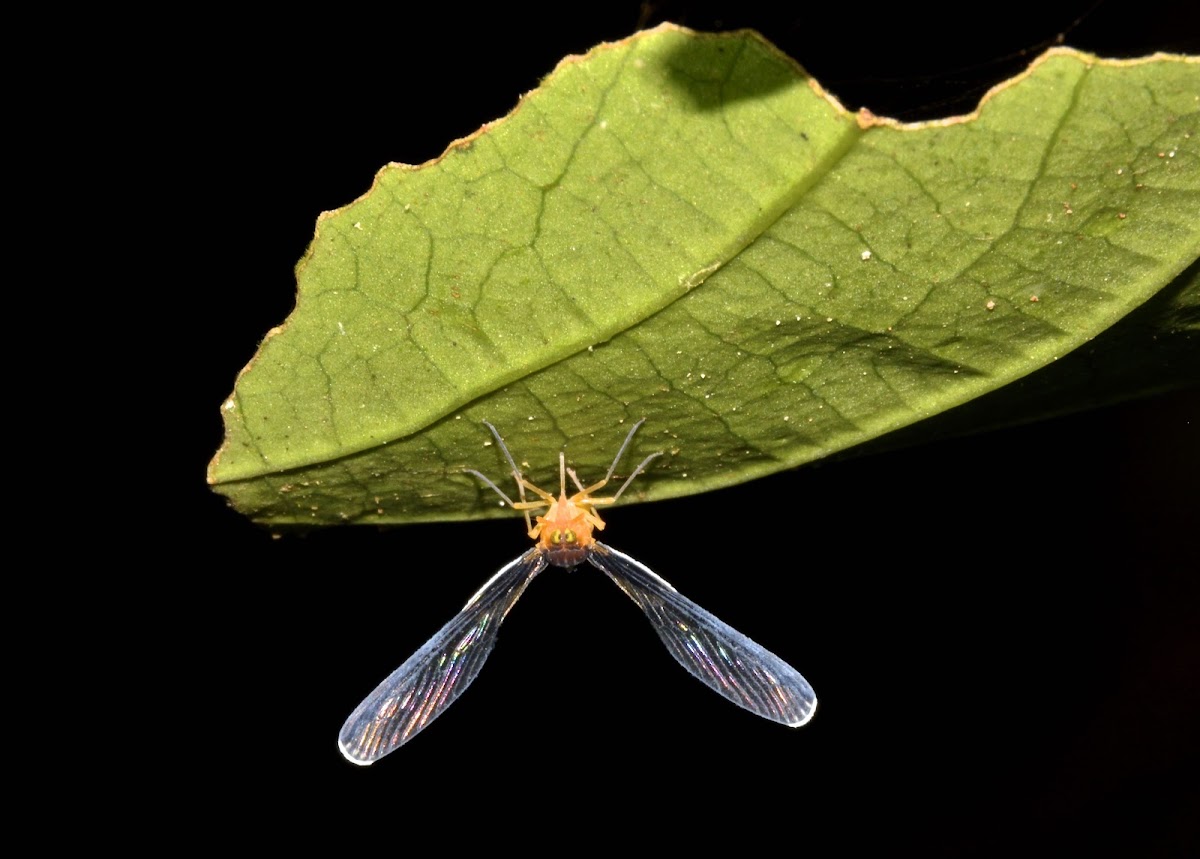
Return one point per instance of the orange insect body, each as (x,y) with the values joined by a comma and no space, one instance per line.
(565,532)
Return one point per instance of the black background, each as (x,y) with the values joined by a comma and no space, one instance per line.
(1002,629)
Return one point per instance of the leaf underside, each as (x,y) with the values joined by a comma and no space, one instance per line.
(683,227)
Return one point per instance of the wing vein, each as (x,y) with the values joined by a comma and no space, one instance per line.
(728,662)
(431,679)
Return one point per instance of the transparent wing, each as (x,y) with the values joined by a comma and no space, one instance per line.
(728,662)
(431,679)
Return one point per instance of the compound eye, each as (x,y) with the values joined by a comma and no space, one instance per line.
(568,536)
(556,537)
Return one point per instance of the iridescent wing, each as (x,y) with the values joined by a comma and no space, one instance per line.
(728,662)
(431,679)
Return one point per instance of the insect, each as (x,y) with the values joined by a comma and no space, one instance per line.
(431,679)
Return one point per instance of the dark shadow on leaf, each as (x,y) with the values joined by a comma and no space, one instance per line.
(1153,350)
(713,69)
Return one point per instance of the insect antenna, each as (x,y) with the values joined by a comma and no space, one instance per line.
(587,490)
(524,505)
(491,485)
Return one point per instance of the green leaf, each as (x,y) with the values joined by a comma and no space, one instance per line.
(684,227)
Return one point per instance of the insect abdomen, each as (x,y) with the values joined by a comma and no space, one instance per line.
(566,556)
